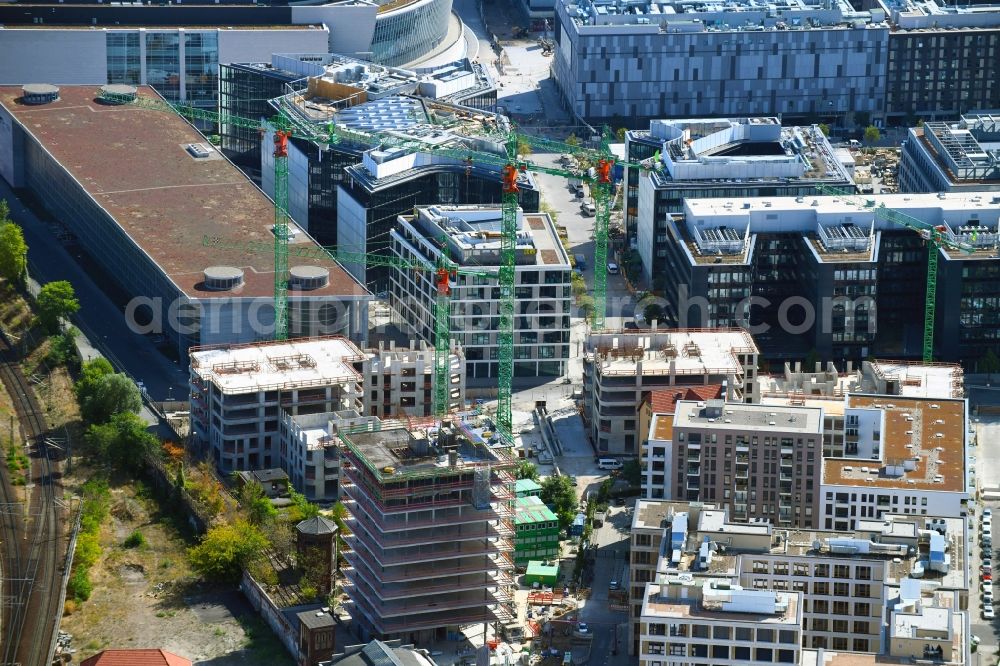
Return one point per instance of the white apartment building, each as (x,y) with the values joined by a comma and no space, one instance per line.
(848,581)
(684,621)
(241,395)
(310,449)
(400,381)
(469,236)
(902,455)
(238,391)
(618,367)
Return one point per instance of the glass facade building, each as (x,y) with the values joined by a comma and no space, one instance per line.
(244,90)
(405,31)
(201,68)
(163,63)
(124,58)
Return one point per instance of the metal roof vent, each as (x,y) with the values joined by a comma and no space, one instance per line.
(118,93)
(307,278)
(39,93)
(223,278)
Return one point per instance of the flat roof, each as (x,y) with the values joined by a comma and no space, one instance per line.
(918,380)
(394,453)
(741,416)
(650,513)
(663,427)
(531,509)
(655,606)
(970,217)
(134,163)
(931,429)
(682,352)
(261,366)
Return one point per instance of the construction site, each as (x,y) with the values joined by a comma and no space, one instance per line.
(431,510)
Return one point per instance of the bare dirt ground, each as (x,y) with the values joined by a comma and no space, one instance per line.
(148,597)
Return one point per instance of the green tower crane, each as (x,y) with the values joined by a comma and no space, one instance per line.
(444,271)
(936,236)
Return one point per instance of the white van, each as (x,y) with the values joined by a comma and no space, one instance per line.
(588,209)
(609,463)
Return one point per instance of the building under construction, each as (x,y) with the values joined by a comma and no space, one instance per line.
(431,509)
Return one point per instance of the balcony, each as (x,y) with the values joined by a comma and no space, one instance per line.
(441,554)
(447,600)
(447,618)
(429,535)
(367,567)
(694,456)
(740,496)
(694,470)
(462,513)
(742,473)
(694,484)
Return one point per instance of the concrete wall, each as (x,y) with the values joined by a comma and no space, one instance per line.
(249,45)
(53,56)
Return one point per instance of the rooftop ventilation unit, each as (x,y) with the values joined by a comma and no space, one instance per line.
(223,278)
(39,93)
(199,151)
(306,278)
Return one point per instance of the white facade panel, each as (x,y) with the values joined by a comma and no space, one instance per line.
(58,56)
(352,27)
(249,45)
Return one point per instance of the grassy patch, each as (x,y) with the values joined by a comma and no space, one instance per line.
(134,540)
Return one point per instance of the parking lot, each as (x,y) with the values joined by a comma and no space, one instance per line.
(985,457)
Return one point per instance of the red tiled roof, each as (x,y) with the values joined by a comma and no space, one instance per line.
(664,402)
(136,658)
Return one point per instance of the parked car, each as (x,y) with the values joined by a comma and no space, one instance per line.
(987,577)
(988,596)
(988,613)
(612,268)
(987,512)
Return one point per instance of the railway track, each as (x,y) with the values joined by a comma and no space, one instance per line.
(32,535)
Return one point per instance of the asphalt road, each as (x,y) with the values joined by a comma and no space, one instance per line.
(100,318)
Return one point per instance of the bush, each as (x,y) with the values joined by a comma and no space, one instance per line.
(225,550)
(134,540)
(79,587)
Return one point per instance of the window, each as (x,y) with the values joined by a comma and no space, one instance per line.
(842,571)
(821,588)
(861,590)
(722,633)
(841,589)
(862,610)
(765,635)
(860,627)
(744,634)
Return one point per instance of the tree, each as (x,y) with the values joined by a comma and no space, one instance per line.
(225,550)
(123,442)
(560,495)
(632,472)
(653,312)
(56,300)
(572,140)
(13,249)
(989,364)
(872,135)
(526,470)
(103,393)
(620,133)
(586,304)
(825,129)
(63,349)
(302,509)
(523,147)
(256,503)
